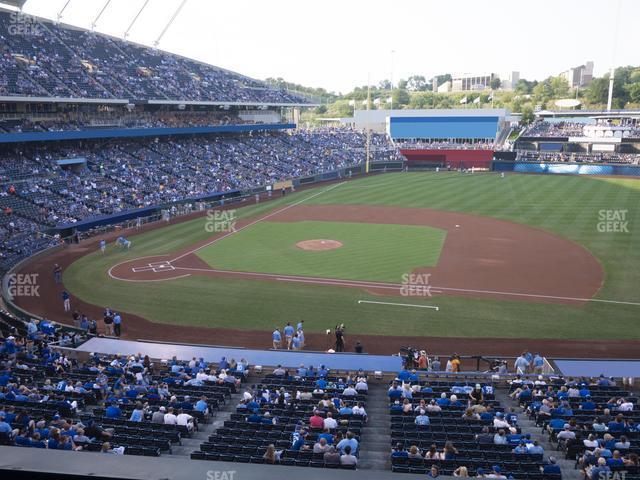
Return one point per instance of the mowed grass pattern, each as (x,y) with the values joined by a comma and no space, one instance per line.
(369,251)
(566,205)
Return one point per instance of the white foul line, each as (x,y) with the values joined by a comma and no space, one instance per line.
(257,221)
(401,304)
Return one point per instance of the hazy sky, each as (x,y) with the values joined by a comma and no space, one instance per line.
(339,44)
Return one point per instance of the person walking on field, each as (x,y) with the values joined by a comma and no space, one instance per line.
(117,324)
(57,273)
(66,301)
(277,338)
(108,322)
(288,334)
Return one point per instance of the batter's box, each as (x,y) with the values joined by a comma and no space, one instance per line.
(155,267)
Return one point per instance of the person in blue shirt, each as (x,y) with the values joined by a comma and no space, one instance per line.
(351,441)
(327,436)
(277,339)
(538,363)
(600,471)
(422,420)
(395,391)
(5,427)
(255,417)
(520,449)
(443,401)
(298,441)
(103,245)
(551,468)
(617,425)
(587,404)
(404,375)
(113,411)
(201,405)
(117,324)
(399,452)
(138,413)
(288,334)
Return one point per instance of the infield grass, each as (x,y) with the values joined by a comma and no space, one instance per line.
(374,252)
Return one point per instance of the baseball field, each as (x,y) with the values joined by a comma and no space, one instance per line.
(400,254)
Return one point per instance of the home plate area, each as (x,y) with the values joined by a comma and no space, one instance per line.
(156,267)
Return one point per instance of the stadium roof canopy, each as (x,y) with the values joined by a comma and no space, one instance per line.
(13,3)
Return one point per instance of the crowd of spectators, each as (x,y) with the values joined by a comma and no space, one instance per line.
(543,128)
(445,145)
(116,175)
(109,404)
(77,121)
(304,416)
(578,157)
(53,60)
(593,420)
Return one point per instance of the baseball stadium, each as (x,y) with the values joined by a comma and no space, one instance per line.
(207,275)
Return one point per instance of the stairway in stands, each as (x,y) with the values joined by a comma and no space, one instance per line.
(192,443)
(375,444)
(529,426)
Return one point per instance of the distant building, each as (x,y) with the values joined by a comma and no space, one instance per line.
(470,82)
(579,76)
(509,80)
(445,87)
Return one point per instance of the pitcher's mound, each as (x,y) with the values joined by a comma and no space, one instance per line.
(319,245)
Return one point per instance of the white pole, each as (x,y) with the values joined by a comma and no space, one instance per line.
(613,56)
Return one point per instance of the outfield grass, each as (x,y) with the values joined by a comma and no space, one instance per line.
(374,252)
(566,205)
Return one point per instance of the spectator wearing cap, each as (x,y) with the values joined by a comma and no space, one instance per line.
(551,467)
(399,451)
(535,448)
(587,404)
(496,473)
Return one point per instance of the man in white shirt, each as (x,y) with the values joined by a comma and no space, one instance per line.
(361,385)
(185,420)
(500,422)
(330,422)
(625,406)
(170,418)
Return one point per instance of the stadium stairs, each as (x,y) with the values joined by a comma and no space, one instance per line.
(529,426)
(376,434)
(216,420)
